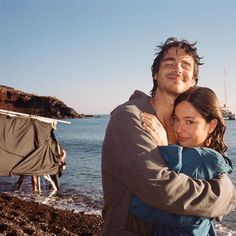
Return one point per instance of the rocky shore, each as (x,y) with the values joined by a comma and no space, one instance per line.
(18,101)
(18,217)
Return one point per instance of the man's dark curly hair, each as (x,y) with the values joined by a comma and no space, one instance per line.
(171,42)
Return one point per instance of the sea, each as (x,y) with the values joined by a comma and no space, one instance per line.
(80,183)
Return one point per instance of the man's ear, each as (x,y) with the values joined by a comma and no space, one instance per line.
(212,125)
(193,82)
(155,76)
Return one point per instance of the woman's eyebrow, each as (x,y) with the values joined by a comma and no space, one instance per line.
(189,117)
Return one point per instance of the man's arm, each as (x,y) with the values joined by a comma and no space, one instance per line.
(201,163)
(131,156)
(157,216)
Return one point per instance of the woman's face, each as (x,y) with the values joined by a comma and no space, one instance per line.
(191,129)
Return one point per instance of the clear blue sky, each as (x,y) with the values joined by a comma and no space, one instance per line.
(92,54)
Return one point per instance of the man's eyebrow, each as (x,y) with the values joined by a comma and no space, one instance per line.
(186,61)
(169,59)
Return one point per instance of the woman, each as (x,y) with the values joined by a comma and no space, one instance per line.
(199,129)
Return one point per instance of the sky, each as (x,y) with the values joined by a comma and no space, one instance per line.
(92,54)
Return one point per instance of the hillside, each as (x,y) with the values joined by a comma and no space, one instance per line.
(19,101)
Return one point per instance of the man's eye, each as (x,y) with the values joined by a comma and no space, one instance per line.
(186,67)
(169,64)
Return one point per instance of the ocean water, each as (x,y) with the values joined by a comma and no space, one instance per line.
(80,184)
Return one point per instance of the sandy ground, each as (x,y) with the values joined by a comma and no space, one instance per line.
(18,217)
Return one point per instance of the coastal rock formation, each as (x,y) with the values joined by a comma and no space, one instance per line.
(19,101)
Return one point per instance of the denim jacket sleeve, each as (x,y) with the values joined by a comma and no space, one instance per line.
(202,163)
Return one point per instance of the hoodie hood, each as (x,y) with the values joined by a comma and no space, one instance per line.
(140,100)
(138,95)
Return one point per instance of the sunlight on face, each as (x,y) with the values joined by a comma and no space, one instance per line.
(176,72)
(190,128)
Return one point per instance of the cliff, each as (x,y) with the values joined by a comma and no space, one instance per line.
(19,101)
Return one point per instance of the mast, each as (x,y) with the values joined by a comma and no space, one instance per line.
(225,86)
(226,112)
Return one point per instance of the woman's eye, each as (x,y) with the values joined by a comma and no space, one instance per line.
(189,122)
(174,119)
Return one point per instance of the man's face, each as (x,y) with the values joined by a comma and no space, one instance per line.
(175,75)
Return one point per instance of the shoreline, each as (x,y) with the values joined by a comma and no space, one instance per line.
(21,217)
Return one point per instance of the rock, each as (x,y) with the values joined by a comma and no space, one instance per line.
(19,217)
(19,101)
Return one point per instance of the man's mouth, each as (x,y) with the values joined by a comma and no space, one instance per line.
(174,77)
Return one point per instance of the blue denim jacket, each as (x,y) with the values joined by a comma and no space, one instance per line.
(201,163)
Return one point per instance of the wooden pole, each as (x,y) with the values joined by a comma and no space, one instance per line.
(45,119)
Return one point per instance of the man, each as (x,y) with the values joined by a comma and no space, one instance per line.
(131,162)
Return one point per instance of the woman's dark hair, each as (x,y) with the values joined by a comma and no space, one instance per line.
(189,48)
(205,101)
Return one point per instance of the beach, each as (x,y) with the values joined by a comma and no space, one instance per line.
(80,188)
(20,217)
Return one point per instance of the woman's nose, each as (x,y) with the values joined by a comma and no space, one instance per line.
(178,128)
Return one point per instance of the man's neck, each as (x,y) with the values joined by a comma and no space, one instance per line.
(163,104)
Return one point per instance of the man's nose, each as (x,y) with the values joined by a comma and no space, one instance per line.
(177,67)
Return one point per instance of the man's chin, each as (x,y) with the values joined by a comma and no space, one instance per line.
(181,90)
(177,92)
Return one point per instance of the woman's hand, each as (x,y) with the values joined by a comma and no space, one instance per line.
(154,127)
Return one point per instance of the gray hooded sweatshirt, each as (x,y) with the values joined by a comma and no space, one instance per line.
(131,164)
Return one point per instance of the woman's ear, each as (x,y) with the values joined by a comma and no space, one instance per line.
(212,125)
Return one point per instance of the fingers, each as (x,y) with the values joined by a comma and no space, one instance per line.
(148,129)
(149,118)
(159,137)
(151,121)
